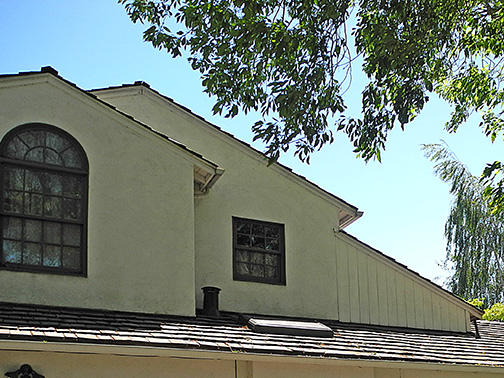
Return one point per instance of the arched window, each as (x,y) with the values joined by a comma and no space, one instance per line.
(44,176)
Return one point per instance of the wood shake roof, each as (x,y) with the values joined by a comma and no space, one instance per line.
(20,322)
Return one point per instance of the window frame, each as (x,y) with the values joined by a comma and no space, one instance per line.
(281,253)
(48,168)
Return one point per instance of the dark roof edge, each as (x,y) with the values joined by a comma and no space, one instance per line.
(228,134)
(477,310)
(50,70)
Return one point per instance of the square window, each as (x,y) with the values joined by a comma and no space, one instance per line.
(258,251)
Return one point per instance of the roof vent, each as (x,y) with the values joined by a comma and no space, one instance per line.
(211,301)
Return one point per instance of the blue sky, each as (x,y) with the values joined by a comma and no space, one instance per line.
(93,44)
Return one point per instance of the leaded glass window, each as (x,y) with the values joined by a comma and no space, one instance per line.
(259,252)
(44,174)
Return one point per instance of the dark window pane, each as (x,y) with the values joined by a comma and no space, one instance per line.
(52,256)
(242,256)
(53,184)
(33,181)
(52,207)
(32,254)
(243,227)
(13,178)
(71,258)
(257,258)
(16,149)
(33,204)
(52,157)
(270,259)
(12,228)
(33,138)
(243,240)
(272,244)
(13,201)
(257,229)
(271,272)
(272,231)
(52,232)
(71,209)
(257,270)
(35,154)
(56,142)
(242,269)
(72,186)
(33,230)
(258,242)
(12,251)
(71,158)
(71,234)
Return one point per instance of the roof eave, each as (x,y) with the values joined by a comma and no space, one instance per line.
(159,351)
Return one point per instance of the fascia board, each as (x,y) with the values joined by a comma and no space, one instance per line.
(230,139)
(403,269)
(153,351)
(108,110)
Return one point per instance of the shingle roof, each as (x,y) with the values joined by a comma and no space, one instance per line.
(228,334)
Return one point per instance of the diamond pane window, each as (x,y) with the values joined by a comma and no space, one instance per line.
(258,251)
(44,175)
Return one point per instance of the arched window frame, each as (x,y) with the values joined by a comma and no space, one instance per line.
(47,169)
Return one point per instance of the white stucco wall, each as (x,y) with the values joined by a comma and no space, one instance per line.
(75,365)
(282,370)
(433,373)
(140,220)
(327,277)
(251,189)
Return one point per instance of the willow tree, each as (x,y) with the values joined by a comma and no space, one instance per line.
(474,233)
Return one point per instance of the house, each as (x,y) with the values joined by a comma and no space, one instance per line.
(120,206)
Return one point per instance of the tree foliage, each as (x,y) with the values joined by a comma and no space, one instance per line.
(493,313)
(474,234)
(290,61)
(496,312)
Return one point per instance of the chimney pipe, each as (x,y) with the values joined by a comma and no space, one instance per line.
(211,301)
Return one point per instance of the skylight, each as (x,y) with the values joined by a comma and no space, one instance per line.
(289,327)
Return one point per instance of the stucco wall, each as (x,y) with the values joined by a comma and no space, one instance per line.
(140,223)
(282,370)
(327,276)
(251,189)
(64,365)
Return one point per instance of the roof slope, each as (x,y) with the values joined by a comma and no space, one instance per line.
(350,341)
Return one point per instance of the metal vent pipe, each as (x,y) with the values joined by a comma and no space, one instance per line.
(211,301)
